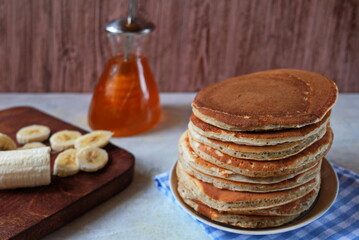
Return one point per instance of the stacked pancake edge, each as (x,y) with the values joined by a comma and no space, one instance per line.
(252,154)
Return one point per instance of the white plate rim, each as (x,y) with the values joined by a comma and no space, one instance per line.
(281,229)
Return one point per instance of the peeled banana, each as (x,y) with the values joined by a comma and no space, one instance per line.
(33,133)
(65,163)
(6,143)
(32,145)
(64,139)
(25,168)
(94,139)
(91,159)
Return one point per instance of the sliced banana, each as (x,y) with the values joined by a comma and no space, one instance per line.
(64,139)
(94,139)
(32,145)
(65,163)
(91,159)
(33,133)
(6,143)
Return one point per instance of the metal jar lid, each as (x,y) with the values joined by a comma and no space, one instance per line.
(130,26)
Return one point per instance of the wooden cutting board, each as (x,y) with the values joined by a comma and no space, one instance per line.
(31,213)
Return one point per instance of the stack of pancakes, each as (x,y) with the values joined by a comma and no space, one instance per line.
(252,154)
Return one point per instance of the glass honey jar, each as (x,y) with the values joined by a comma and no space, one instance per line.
(126,100)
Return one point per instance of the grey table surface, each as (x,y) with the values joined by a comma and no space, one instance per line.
(141,211)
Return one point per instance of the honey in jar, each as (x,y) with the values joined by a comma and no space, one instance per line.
(125,100)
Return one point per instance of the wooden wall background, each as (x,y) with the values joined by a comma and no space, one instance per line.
(60,45)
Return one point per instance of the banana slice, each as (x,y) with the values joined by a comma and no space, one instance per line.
(94,139)
(64,139)
(65,163)
(33,133)
(6,143)
(32,145)
(91,159)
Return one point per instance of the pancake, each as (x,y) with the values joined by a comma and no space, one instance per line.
(268,100)
(243,221)
(251,168)
(225,200)
(257,138)
(251,187)
(292,208)
(187,154)
(260,153)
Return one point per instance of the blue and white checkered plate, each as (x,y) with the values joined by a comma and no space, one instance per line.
(326,198)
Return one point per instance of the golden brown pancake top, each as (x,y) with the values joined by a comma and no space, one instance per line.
(274,99)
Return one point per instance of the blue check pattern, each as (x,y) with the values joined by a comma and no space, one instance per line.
(340,222)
